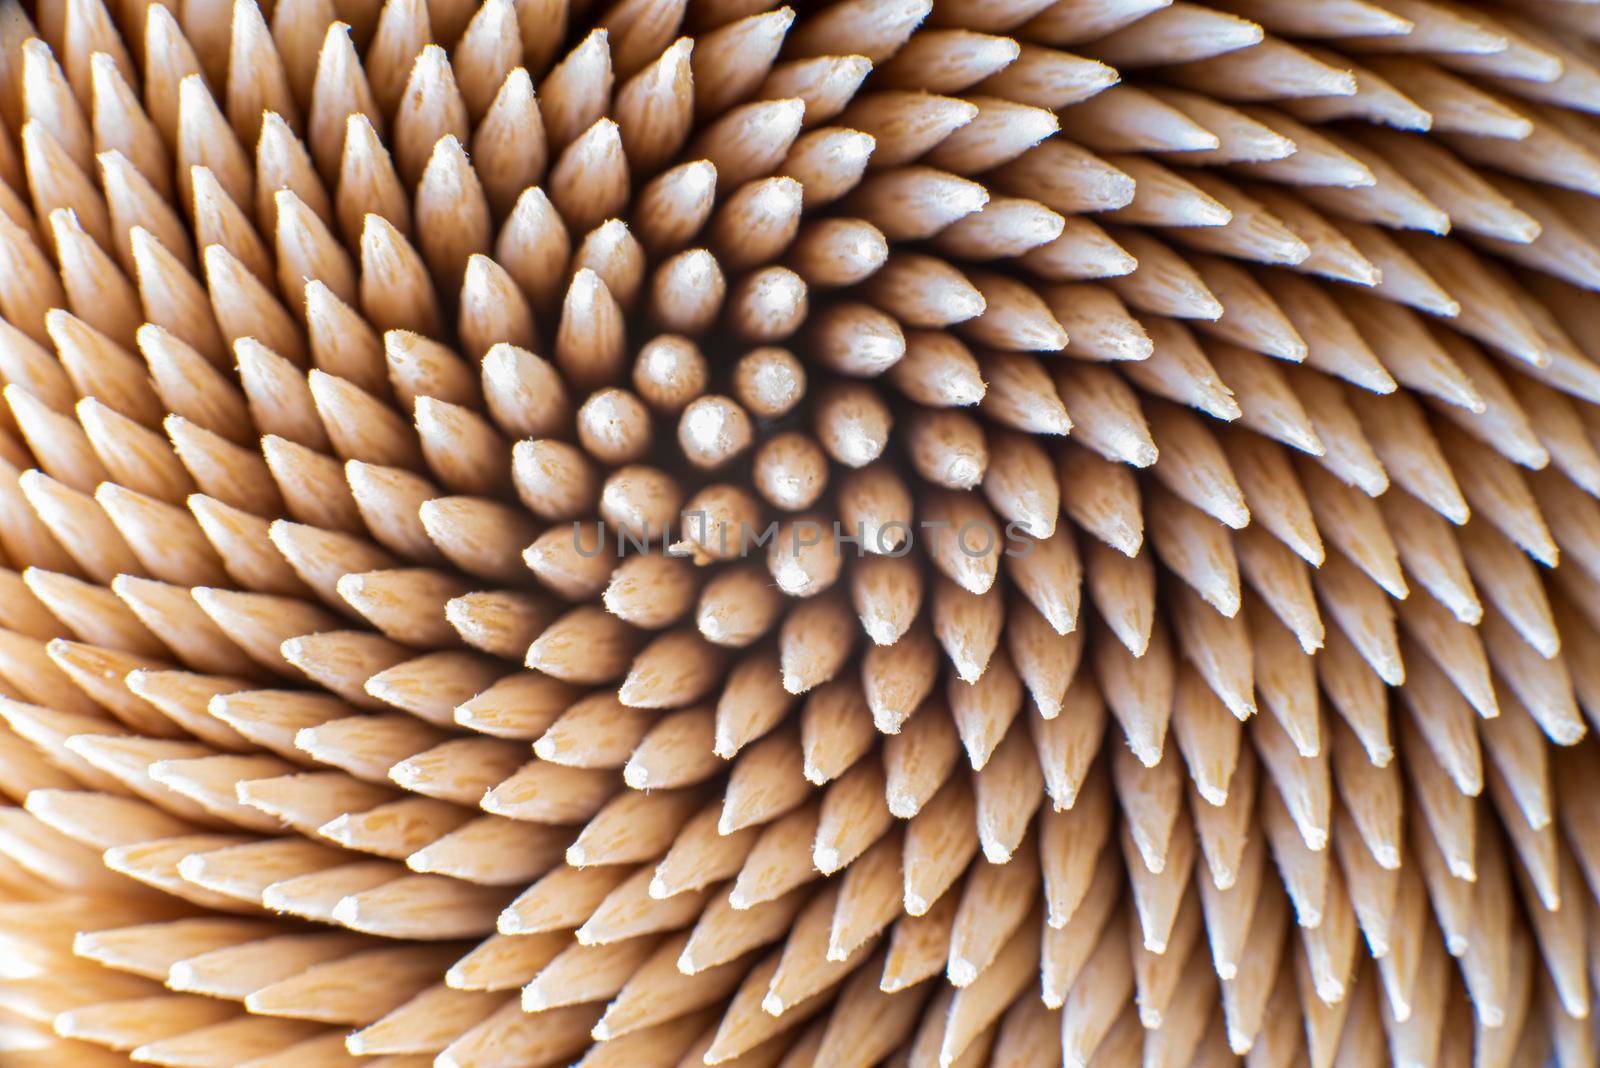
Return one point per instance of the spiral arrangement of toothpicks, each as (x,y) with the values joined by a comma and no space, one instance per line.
(869,532)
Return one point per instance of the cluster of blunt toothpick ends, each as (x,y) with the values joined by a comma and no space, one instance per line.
(658,533)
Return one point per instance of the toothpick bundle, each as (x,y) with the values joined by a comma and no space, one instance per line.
(907,532)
